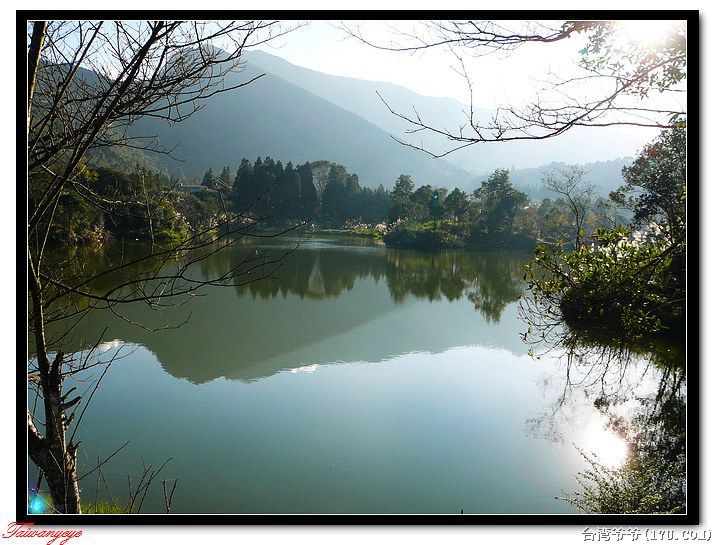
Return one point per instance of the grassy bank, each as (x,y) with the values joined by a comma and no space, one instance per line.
(431,236)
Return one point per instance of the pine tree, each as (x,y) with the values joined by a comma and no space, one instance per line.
(287,194)
(401,197)
(208,179)
(224,180)
(334,196)
(243,194)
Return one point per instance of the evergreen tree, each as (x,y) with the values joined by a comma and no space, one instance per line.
(208,179)
(401,206)
(264,184)
(352,199)
(287,195)
(436,205)
(278,170)
(334,196)
(243,194)
(420,199)
(381,205)
(373,204)
(224,180)
(269,164)
(498,202)
(456,205)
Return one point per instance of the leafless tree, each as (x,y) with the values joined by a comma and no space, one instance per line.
(88,82)
(569,185)
(623,73)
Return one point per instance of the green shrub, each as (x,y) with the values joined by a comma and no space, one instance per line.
(618,285)
(427,236)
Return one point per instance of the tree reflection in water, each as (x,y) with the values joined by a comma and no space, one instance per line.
(490,280)
(256,329)
(639,387)
(636,454)
(489,283)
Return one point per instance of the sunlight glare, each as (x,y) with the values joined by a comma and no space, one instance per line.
(644,33)
(610,449)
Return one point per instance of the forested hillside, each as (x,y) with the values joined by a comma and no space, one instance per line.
(361,97)
(273,117)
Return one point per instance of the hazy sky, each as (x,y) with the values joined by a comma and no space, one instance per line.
(497,78)
(322,46)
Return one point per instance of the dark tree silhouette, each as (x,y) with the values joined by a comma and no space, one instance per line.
(87,82)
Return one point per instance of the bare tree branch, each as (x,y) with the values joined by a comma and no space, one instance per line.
(620,72)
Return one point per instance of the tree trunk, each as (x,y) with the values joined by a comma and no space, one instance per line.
(52,454)
(33,60)
(56,458)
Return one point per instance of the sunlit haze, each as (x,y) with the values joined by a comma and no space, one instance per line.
(645,32)
(324,47)
(499,79)
(502,77)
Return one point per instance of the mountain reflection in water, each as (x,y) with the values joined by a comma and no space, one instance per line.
(436,405)
(318,307)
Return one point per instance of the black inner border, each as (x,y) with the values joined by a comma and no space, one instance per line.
(693,515)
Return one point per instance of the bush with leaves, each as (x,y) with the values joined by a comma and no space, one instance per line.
(619,285)
(624,490)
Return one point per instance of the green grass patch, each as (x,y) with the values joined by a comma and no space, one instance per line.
(102,508)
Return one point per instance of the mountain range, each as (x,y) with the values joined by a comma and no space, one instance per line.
(274,117)
(604,175)
(578,145)
(296,114)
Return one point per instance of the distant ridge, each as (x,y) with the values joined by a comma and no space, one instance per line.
(579,145)
(605,175)
(272,117)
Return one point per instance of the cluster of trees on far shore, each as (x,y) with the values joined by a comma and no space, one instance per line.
(497,213)
(325,195)
(320,192)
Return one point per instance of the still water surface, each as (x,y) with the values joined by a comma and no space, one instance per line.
(359,379)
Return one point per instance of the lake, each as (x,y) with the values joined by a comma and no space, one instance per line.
(357,379)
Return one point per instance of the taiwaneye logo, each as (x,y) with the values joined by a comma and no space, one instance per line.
(26,530)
